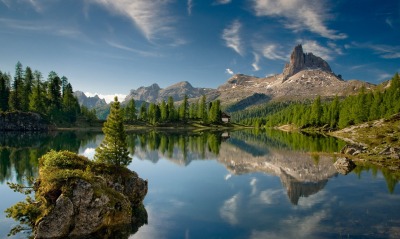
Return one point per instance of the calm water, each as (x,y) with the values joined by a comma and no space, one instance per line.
(236,185)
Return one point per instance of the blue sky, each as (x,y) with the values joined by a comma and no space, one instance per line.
(112,46)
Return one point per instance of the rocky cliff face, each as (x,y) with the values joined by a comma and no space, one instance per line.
(177,91)
(23,121)
(304,61)
(89,102)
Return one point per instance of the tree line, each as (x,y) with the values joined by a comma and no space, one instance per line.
(167,112)
(52,98)
(337,113)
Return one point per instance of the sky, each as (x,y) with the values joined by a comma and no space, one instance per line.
(112,46)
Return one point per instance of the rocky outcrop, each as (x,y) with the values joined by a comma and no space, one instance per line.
(84,199)
(344,165)
(23,121)
(353,149)
(301,61)
(89,102)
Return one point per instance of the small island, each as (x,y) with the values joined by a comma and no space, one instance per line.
(77,197)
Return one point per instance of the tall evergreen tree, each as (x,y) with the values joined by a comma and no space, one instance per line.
(183,109)
(113,150)
(15,100)
(164,111)
(171,109)
(202,110)
(70,104)
(316,111)
(27,90)
(130,111)
(4,92)
(37,98)
(143,112)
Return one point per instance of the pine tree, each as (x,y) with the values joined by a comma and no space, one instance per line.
(15,100)
(171,109)
(130,111)
(4,92)
(27,90)
(183,109)
(70,104)
(113,150)
(143,112)
(37,98)
(164,111)
(316,111)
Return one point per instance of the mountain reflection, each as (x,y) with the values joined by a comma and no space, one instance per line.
(285,155)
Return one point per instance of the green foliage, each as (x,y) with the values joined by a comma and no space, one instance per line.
(130,111)
(113,150)
(53,99)
(4,91)
(351,110)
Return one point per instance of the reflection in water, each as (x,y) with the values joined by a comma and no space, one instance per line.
(260,175)
(19,152)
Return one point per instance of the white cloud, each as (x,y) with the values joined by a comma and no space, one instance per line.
(255,65)
(384,51)
(189,7)
(270,196)
(49,28)
(221,2)
(89,153)
(389,21)
(232,37)
(298,15)
(272,52)
(318,50)
(295,227)
(229,210)
(151,17)
(126,48)
(384,76)
(107,98)
(229,71)
(34,3)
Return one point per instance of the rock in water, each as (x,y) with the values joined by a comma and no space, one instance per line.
(79,198)
(344,165)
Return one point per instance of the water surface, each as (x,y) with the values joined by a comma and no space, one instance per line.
(231,185)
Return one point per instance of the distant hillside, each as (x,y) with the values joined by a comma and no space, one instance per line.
(154,93)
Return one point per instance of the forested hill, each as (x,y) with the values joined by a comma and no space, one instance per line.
(336,114)
(53,98)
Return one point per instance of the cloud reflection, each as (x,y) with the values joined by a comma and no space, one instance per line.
(229,210)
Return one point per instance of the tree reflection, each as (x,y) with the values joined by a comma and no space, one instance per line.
(19,152)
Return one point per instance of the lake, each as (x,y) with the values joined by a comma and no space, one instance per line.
(241,184)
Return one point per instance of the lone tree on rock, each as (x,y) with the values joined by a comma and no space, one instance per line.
(113,149)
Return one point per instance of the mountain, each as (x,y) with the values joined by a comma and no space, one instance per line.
(89,102)
(154,93)
(304,77)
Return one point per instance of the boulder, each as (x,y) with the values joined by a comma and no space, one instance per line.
(86,199)
(344,165)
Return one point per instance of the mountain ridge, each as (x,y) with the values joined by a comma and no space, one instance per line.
(304,77)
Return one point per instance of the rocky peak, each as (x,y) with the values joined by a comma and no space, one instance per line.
(89,102)
(300,61)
